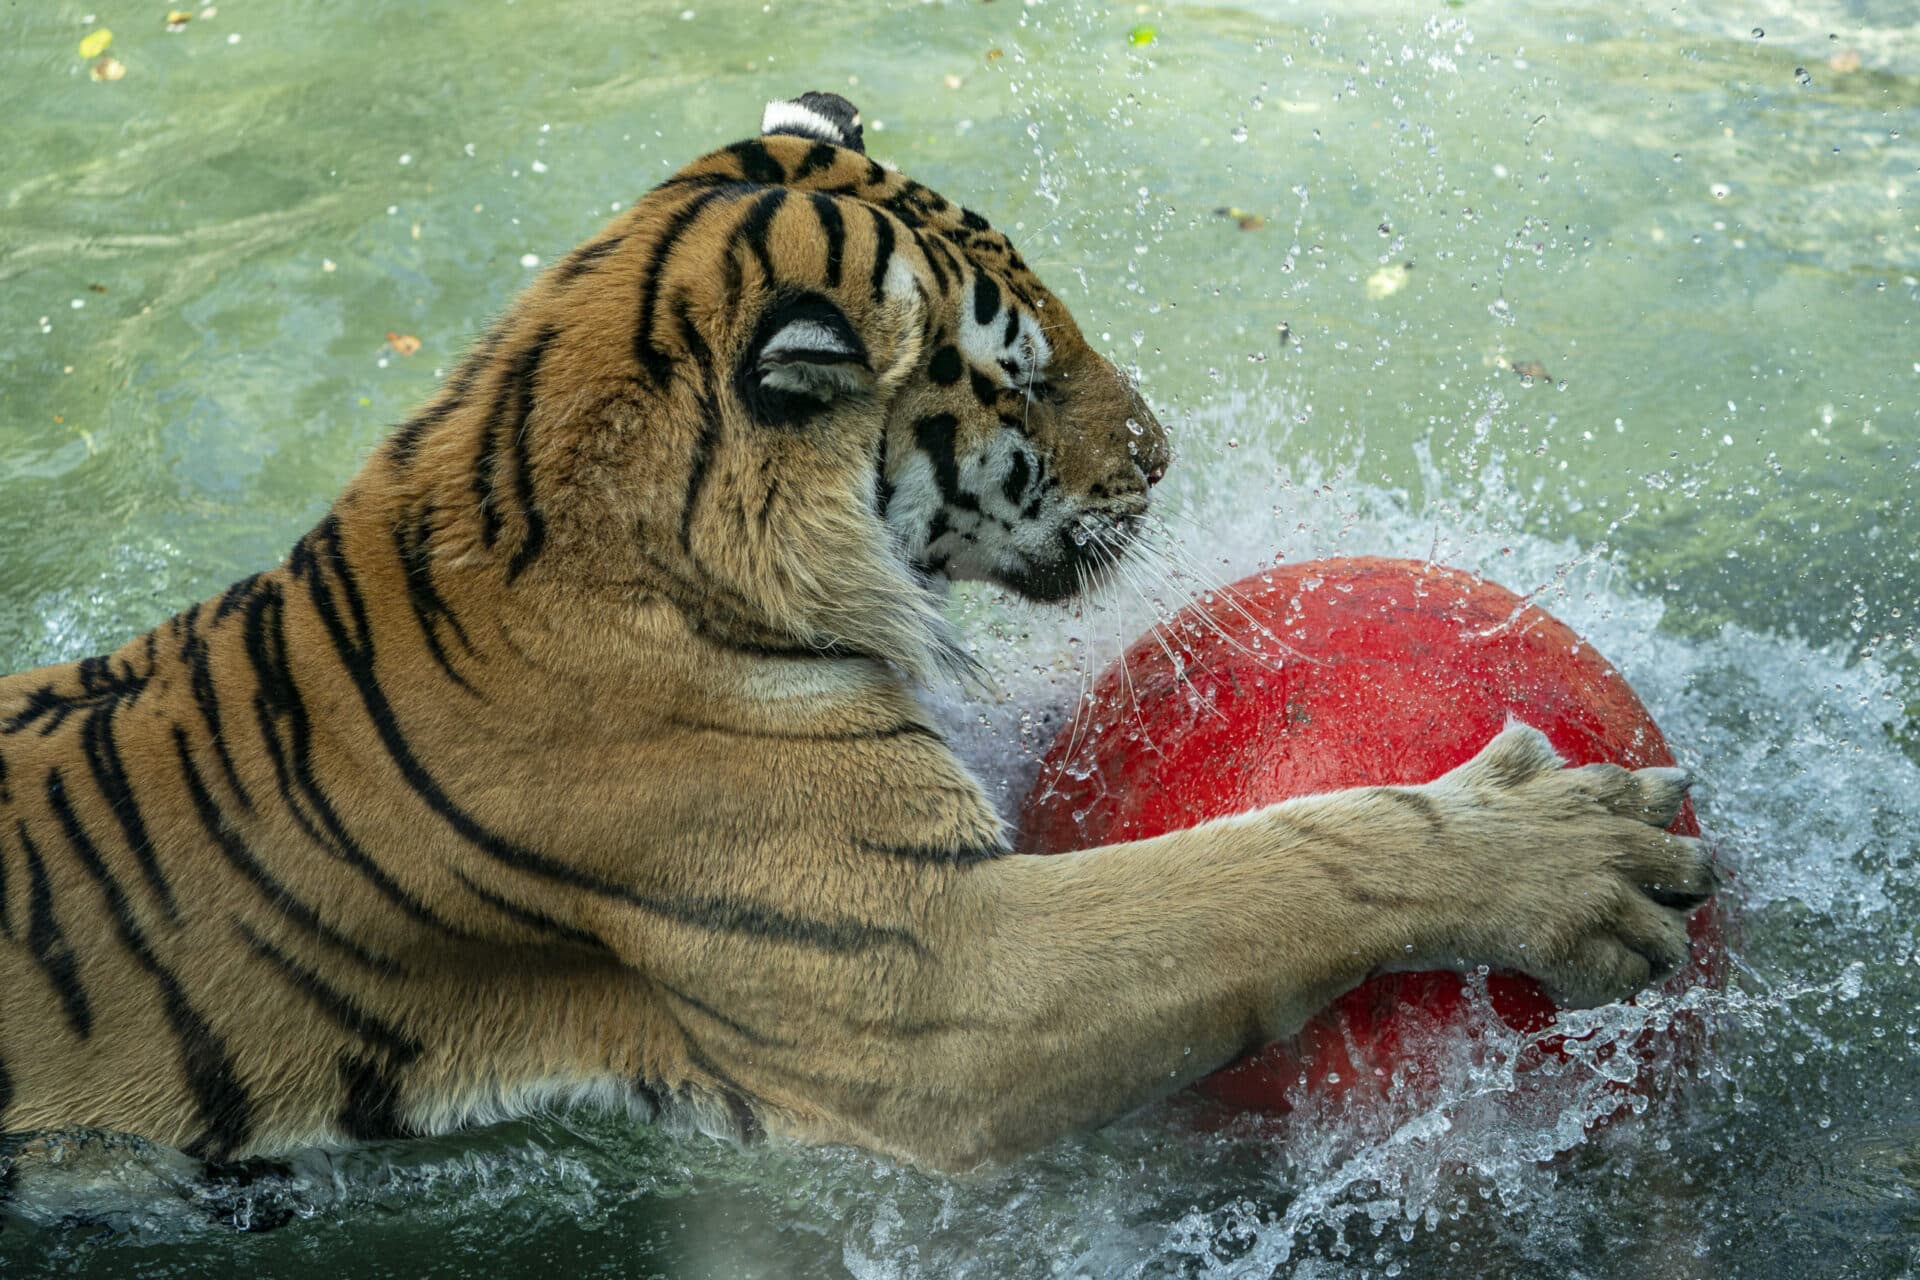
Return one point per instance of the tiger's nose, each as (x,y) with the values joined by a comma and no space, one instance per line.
(1156,471)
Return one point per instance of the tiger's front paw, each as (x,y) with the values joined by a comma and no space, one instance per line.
(1585,891)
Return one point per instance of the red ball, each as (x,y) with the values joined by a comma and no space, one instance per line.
(1343,673)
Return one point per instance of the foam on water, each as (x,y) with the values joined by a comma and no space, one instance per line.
(1805,794)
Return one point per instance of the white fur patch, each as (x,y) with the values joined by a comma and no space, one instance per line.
(900,281)
(791,117)
(511,1101)
(823,680)
(916,500)
(804,336)
(986,345)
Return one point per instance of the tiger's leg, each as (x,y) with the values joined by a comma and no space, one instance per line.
(1054,993)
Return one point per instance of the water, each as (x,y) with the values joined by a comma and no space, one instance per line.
(1617,302)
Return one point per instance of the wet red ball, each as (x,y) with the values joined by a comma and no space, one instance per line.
(1331,674)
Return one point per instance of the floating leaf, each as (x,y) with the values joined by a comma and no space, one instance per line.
(1142,35)
(177,19)
(1532,370)
(95,43)
(404,343)
(108,68)
(1245,220)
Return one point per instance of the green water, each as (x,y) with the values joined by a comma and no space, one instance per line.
(1697,227)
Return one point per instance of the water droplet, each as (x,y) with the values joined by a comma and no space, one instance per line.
(1802,75)
(1758,33)
(1239,133)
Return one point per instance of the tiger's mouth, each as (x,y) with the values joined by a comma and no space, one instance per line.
(1087,551)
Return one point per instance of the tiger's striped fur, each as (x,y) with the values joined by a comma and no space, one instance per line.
(576,754)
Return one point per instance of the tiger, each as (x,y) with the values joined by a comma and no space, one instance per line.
(582,753)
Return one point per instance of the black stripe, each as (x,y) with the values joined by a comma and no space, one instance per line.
(947,367)
(6,1104)
(709,436)
(6,791)
(700,180)
(49,946)
(732,1024)
(836,231)
(819,156)
(341,1008)
(985,389)
(937,247)
(407,436)
(538,921)
(369,1081)
(882,250)
(225,1109)
(413,542)
(752,920)
(935,436)
(278,700)
(751,649)
(485,463)
(581,259)
(406,439)
(754,227)
(933,263)
(370,1111)
(39,703)
(961,856)
(320,554)
(745,1122)
(236,596)
(656,362)
(242,859)
(705,605)
(986,298)
(882,486)
(195,654)
(906,729)
(1019,475)
(651,1093)
(733,279)
(526,370)
(6,913)
(757,163)
(110,776)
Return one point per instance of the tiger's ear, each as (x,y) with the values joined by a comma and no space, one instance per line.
(803,357)
(824,117)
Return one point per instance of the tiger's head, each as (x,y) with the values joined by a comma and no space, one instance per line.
(790,388)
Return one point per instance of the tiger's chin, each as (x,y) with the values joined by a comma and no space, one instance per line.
(1083,557)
